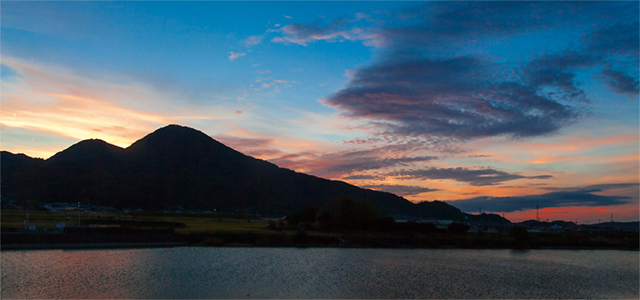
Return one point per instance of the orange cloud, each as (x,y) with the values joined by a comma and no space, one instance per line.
(554,149)
(80,118)
(56,101)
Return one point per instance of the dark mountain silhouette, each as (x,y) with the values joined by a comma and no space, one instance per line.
(177,166)
(93,153)
(635,226)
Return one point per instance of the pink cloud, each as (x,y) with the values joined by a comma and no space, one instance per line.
(235,55)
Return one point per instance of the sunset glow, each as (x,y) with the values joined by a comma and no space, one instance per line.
(491,106)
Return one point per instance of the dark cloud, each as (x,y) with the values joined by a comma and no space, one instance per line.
(426,82)
(453,97)
(594,187)
(401,190)
(616,38)
(557,73)
(481,177)
(540,177)
(372,164)
(554,199)
(620,82)
(360,177)
(479,156)
(451,23)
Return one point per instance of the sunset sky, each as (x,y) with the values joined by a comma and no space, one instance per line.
(495,106)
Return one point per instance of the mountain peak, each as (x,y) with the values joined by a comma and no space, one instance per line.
(86,151)
(174,133)
(174,141)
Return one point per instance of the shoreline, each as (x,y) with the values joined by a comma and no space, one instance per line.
(301,239)
(96,246)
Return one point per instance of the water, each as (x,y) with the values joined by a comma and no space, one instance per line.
(193,272)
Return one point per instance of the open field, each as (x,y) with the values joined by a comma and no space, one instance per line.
(210,230)
(44,221)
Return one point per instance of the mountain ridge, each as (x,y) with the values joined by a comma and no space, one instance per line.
(177,166)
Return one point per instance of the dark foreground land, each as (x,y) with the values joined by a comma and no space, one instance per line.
(614,241)
(107,231)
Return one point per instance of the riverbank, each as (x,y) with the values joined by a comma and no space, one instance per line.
(574,240)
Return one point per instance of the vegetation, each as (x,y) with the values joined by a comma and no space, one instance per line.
(325,229)
(46,221)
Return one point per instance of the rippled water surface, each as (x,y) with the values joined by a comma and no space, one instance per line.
(318,273)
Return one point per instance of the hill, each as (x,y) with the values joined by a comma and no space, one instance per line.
(177,166)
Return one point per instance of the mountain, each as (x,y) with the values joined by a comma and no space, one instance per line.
(93,152)
(177,166)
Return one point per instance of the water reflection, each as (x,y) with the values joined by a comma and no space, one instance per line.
(318,273)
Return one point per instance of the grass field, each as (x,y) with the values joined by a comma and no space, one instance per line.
(194,223)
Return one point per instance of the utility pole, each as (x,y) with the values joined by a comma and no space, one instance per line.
(78,213)
(537,214)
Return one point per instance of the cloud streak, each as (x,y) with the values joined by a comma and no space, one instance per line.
(401,190)
(303,34)
(481,177)
(235,55)
(554,199)
(340,163)
(53,100)
(594,187)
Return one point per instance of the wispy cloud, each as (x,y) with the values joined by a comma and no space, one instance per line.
(57,101)
(235,55)
(594,187)
(253,40)
(340,163)
(401,190)
(620,82)
(303,34)
(361,177)
(480,177)
(270,82)
(80,118)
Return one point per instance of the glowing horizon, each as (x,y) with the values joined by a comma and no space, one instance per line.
(477,102)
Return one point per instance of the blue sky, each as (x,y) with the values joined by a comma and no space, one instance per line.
(492,102)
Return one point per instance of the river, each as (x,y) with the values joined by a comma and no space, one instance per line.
(201,272)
